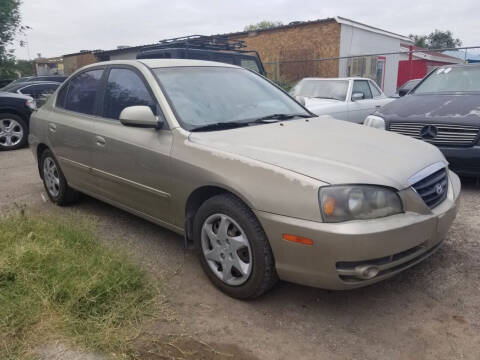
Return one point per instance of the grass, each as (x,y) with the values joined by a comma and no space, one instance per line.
(58,281)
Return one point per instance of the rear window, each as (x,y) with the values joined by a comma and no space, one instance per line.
(451,79)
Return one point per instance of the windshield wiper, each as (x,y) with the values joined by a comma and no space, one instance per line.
(220,126)
(326,97)
(279,117)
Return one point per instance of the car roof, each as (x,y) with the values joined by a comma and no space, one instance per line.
(158,63)
(336,78)
(14,95)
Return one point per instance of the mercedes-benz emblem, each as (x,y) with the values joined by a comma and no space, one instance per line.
(429,132)
(439,189)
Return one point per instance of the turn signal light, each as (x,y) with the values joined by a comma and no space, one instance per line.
(329,206)
(297,239)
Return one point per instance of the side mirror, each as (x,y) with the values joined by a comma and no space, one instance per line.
(402,92)
(140,116)
(357,96)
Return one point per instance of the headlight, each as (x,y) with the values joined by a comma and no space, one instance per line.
(31,104)
(374,121)
(357,202)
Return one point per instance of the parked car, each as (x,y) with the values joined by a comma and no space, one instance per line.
(39,90)
(55,78)
(406,87)
(4,82)
(444,110)
(260,188)
(350,99)
(15,110)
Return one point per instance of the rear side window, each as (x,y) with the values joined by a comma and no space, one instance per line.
(82,92)
(361,86)
(249,64)
(125,88)
(61,96)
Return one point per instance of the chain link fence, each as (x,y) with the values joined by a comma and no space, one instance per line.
(389,70)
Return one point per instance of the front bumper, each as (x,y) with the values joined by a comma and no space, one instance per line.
(393,244)
(464,161)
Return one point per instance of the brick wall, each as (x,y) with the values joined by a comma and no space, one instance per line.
(301,42)
(74,62)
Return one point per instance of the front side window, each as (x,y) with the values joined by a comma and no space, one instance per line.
(202,96)
(375,91)
(361,86)
(321,89)
(39,90)
(125,88)
(82,92)
(451,79)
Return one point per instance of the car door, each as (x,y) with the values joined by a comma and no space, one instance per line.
(131,164)
(379,98)
(360,109)
(71,127)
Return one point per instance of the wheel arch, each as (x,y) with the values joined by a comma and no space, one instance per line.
(11,110)
(196,198)
(39,151)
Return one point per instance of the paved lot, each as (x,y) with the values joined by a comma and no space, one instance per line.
(431,311)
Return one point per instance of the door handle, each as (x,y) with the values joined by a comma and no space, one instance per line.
(378,106)
(100,140)
(52,127)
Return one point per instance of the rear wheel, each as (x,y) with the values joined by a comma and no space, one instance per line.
(233,248)
(13,132)
(54,181)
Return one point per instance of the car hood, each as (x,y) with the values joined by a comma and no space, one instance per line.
(324,106)
(328,150)
(434,108)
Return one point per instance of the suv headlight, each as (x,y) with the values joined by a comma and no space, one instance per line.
(358,202)
(374,121)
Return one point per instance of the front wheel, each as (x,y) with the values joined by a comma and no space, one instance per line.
(233,248)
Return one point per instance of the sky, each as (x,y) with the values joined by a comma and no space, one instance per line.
(60,27)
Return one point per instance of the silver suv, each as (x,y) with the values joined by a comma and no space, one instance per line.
(256,183)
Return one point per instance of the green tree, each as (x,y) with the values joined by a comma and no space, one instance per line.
(10,26)
(436,40)
(262,25)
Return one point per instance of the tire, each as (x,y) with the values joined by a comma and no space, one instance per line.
(242,244)
(54,181)
(13,132)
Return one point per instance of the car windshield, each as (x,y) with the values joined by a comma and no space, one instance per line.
(202,96)
(324,89)
(451,79)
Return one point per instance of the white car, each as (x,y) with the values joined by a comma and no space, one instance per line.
(350,99)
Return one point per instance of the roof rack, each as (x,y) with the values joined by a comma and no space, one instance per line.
(203,42)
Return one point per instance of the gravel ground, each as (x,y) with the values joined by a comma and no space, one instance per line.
(431,311)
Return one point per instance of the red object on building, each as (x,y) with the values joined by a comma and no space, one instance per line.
(420,63)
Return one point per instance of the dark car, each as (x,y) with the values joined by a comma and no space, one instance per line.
(56,78)
(407,86)
(4,82)
(39,90)
(444,110)
(209,48)
(15,111)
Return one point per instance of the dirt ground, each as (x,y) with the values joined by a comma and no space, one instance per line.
(431,311)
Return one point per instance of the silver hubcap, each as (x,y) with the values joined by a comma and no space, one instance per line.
(11,132)
(226,249)
(51,176)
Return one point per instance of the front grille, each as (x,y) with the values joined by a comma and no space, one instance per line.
(438,134)
(433,188)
